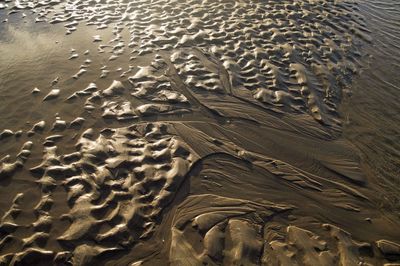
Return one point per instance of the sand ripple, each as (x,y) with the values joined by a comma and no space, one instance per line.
(195,133)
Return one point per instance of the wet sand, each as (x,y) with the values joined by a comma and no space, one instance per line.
(199,132)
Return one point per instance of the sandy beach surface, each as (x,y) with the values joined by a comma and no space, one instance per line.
(200,132)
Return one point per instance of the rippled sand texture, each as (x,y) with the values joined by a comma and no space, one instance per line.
(195,133)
